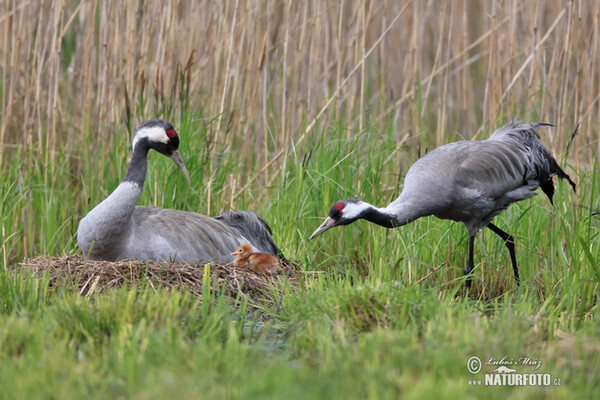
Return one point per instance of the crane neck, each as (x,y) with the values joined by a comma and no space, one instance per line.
(108,225)
(398,213)
(136,173)
(379,216)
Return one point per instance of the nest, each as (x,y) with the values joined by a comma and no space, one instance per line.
(89,277)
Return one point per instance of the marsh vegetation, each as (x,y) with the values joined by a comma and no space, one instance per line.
(283,108)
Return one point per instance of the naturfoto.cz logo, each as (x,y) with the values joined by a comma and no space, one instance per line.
(505,375)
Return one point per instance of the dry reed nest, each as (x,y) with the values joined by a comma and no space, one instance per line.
(92,277)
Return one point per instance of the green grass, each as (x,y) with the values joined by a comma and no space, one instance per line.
(358,327)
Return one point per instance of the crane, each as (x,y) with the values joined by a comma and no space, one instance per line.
(467,181)
(117,229)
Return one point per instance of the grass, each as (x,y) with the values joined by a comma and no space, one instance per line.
(336,340)
(380,313)
(360,326)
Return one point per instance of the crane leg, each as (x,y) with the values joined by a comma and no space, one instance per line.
(509,241)
(470,265)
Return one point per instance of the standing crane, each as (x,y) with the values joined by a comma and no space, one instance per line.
(117,229)
(467,181)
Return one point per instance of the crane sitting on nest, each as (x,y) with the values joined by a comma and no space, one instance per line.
(469,182)
(117,229)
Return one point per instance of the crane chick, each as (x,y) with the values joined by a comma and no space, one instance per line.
(260,263)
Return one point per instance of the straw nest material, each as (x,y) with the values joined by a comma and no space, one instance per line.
(90,277)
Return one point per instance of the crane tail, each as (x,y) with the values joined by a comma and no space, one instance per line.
(548,189)
(253,228)
(563,175)
(545,165)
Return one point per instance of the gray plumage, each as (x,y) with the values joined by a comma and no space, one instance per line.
(248,224)
(118,229)
(467,181)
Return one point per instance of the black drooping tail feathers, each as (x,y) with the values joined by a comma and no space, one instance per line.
(253,228)
(544,163)
(548,186)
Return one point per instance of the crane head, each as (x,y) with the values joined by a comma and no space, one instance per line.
(161,136)
(343,212)
(243,251)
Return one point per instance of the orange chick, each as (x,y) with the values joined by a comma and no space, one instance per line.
(260,263)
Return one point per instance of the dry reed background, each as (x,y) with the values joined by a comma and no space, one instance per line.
(270,67)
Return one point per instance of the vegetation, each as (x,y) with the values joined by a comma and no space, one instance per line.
(283,108)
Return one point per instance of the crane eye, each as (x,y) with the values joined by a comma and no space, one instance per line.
(340,213)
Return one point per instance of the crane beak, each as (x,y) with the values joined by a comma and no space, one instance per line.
(327,224)
(176,157)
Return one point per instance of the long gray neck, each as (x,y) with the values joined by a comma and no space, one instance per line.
(110,222)
(398,213)
(380,217)
(136,172)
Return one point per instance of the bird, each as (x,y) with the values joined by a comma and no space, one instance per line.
(248,224)
(117,229)
(260,263)
(466,181)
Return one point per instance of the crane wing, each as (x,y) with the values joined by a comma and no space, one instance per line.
(497,170)
(184,236)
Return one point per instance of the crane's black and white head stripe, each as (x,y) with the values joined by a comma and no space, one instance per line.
(343,212)
(347,211)
(158,135)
